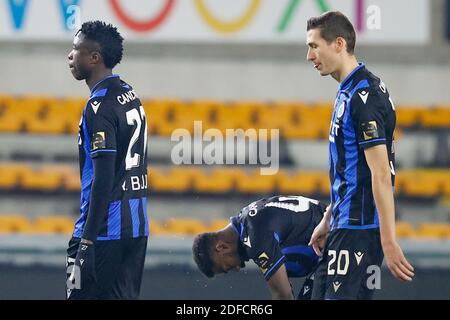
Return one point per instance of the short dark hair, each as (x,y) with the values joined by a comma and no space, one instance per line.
(202,249)
(108,38)
(333,24)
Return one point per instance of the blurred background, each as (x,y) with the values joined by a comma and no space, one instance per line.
(230,64)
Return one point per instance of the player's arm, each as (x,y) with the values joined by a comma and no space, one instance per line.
(369,116)
(320,232)
(267,255)
(279,285)
(101,126)
(378,163)
(102,184)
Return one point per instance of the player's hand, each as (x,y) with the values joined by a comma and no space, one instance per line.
(85,261)
(397,263)
(319,236)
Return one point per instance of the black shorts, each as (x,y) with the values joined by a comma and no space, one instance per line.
(351,259)
(119,265)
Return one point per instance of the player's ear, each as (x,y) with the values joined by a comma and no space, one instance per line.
(339,44)
(223,246)
(96,57)
(220,245)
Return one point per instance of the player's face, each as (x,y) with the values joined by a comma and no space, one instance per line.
(79,58)
(323,55)
(226,262)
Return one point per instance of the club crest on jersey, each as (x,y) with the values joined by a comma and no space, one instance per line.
(341,110)
(98,141)
(370,130)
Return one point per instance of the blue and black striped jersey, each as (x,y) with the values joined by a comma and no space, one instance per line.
(276,231)
(363,116)
(114,121)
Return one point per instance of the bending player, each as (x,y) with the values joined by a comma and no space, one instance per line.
(274,233)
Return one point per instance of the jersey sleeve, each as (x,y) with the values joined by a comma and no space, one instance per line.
(102,128)
(368,109)
(265,251)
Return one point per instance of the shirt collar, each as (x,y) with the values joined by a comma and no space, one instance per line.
(98,84)
(351,75)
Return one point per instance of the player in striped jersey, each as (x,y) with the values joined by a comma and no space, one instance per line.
(107,251)
(361,157)
(273,232)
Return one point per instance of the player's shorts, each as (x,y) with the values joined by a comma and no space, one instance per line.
(306,290)
(351,258)
(119,265)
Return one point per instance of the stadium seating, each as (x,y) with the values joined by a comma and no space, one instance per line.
(62,224)
(418,183)
(13,223)
(296,120)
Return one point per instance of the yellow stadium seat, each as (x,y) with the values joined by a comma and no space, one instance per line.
(295,121)
(254,182)
(156,115)
(323,179)
(157,228)
(71,181)
(185,226)
(223,117)
(405,230)
(417,183)
(53,224)
(446,187)
(177,179)
(295,183)
(269,118)
(321,113)
(52,118)
(218,181)
(11,119)
(164,116)
(44,179)
(72,112)
(11,174)
(303,182)
(14,223)
(70,175)
(434,230)
(408,116)
(217,224)
(247,114)
(191,112)
(438,117)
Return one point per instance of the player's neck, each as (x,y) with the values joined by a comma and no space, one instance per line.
(348,65)
(229,233)
(97,76)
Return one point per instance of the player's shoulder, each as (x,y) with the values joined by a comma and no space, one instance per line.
(369,90)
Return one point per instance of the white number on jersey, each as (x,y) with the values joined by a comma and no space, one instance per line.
(133,117)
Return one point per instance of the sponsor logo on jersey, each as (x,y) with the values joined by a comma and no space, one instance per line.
(363,95)
(263,262)
(358,256)
(247,242)
(336,286)
(370,130)
(95,105)
(98,141)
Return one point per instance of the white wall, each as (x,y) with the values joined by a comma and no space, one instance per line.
(48,74)
(413,74)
